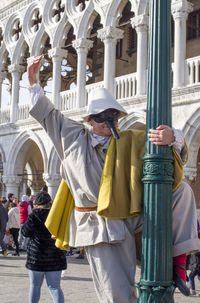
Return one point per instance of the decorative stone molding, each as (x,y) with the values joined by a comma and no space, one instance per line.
(73,8)
(82,43)
(11,180)
(110,33)
(13,31)
(10,9)
(32,20)
(180,9)
(55,11)
(57,52)
(140,22)
(16,68)
(190,173)
(52,180)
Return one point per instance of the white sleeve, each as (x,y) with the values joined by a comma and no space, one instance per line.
(179,143)
(36,92)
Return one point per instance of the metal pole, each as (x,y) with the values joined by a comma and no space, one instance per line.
(156,276)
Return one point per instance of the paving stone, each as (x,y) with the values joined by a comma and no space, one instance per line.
(76,284)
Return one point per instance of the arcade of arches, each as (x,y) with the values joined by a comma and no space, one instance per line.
(87,44)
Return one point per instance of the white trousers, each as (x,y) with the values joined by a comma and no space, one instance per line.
(113,266)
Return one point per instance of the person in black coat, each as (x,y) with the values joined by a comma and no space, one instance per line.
(44,259)
(3,221)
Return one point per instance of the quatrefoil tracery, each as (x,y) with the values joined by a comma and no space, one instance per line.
(16,30)
(58,10)
(36,20)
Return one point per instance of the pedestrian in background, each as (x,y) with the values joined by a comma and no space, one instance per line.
(44,259)
(13,225)
(6,203)
(31,200)
(25,210)
(3,221)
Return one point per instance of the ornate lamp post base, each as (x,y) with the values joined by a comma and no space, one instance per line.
(155,293)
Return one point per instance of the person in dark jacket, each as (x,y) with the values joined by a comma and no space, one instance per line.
(44,259)
(6,203)
(3,221)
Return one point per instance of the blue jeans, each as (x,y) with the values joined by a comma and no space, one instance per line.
(192,275)
(53,283)
(2,243)
(23,241)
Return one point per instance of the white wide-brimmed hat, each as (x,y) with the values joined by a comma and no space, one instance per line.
(99,100)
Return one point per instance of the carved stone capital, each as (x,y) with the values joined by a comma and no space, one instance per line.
(140,22)
(52,180)
(190,173)
(82,43)
(57,52)
(16,68)
(11,180)
(110,33)
(181,8)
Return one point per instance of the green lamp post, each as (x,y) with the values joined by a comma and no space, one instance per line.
(156,275)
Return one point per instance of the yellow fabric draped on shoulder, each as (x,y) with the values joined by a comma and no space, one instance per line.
(121,188)
(59,216)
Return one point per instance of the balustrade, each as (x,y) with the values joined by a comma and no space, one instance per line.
(68,100)
(23,111)
(193,70)
(125,88)
(5,115)
(93,86)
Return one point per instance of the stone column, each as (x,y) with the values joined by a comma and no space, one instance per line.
(57,54)
(109,35)
(180,10)
(52,181)
(82,45)
(2,77)
(36,186)
(16,71)
(12,184)
(140,23)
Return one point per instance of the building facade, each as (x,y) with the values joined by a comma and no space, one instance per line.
(88,44)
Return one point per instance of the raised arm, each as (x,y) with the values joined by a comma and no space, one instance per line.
(33,69)
(61,130)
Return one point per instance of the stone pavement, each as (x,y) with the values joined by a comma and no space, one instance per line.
(76,284)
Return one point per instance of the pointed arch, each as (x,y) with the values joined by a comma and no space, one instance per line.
(191,132)
(18,144)
(134,120)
